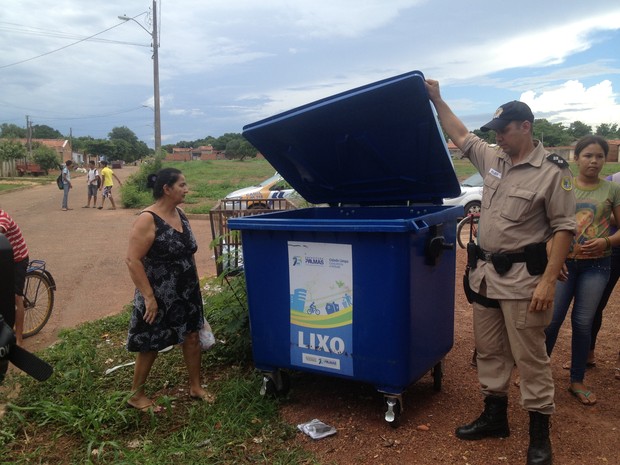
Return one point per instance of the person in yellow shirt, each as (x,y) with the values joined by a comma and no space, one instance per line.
(106,185)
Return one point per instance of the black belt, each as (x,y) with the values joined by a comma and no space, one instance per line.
(488,256)
(502,262)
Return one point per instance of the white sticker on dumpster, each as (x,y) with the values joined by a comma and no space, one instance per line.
(321,293)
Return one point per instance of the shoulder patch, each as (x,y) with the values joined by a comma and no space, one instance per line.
(558,160)
(567,183)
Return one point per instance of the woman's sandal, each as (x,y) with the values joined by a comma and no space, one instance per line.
(206,397)
(582,395)
(147,407)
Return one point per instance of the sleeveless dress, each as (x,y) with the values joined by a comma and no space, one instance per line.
(171,271)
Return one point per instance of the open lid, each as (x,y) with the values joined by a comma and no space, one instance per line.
(379,144)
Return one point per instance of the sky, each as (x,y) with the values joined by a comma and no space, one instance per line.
(75,66)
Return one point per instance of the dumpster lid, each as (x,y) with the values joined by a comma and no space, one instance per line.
(378,144)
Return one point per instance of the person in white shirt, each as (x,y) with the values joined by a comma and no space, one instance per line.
(93,181)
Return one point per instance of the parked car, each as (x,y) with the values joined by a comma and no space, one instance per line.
(471,194)
(258,196)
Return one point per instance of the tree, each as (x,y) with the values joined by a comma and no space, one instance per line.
(127,145)
(240,149)
(100,147)
(80,144)
(608,131)
(122,150)
(11,150)
(41,131)
(577,129)
(12,131)
(142,151)
(123,133)
(551,134)
(45,157)
(221,142)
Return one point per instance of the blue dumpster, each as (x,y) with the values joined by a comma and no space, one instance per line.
(362,288)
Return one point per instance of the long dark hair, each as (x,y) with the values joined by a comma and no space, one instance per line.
(164,177)
(588,140)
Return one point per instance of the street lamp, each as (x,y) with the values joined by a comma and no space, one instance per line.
(155,44)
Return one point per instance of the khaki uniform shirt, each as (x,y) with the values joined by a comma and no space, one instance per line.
(521,204)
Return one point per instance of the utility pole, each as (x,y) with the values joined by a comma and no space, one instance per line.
(29,129)
(155,44)
(71,143)
(156,81)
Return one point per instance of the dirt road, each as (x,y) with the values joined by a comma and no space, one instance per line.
(85,251)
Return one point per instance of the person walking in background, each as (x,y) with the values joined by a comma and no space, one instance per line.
(587,267)
(614,275)
(107,183)
(167,303)
(11,230)
(66,182)
(527,200)
(93,181)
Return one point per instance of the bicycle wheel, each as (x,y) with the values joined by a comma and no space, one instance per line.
(38,302)
(467,227)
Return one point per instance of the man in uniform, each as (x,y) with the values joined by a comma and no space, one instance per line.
(526,201)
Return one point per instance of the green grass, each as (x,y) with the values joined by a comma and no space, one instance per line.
(79,415)
(209,181)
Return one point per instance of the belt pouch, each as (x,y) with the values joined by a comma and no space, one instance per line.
(501,262)
(472,255)
(536,258)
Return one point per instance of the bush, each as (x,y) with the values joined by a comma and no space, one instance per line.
(45,157)
(11,150)
(134,192)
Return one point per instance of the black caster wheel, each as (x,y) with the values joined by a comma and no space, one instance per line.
(437,374)
(275,384)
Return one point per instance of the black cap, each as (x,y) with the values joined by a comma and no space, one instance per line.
(511,111)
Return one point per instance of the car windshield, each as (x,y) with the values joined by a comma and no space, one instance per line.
(475,180)
(276,177)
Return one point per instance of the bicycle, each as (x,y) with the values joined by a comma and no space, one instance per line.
(39,290)
(467,229)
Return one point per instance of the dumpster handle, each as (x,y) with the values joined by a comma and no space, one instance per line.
(418,225)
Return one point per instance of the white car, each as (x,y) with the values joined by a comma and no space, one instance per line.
(471,195)
(259,196)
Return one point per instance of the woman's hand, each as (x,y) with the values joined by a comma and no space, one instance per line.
(594,247)
(150,311)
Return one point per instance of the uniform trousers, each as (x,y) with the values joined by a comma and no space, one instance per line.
(508,335)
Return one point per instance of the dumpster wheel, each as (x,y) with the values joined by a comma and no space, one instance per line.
(394,409)
(437,374)
(275,383)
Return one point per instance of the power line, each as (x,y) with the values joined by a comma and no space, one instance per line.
(31,30)
(67,46)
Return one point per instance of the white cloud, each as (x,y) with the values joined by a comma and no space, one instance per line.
(572,101)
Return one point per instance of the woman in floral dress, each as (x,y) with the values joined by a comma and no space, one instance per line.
(167,304)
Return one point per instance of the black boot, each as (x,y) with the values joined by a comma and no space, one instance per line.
(493,423)
(539,452)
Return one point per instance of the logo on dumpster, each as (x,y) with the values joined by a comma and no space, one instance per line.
(334,345)
(314,261)
(321,306)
